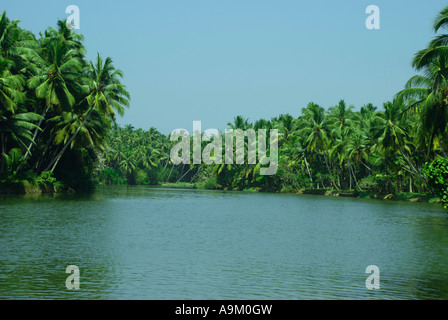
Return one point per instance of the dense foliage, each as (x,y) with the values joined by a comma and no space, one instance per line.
(337,149)
(58,129)
(56,108)
(437,174)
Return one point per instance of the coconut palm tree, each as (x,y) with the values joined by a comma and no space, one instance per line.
(16,45)
(315,128)
(106,96)
(58,79)
(341,115)
(15,124)
(394,136)
(428,92)
(239,122)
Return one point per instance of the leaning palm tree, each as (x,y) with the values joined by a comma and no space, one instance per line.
(58,79)
(106,96)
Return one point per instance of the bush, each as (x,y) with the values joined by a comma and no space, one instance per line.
(111,176)
(48,183)
(211,183)
(141,177)
(437,174)
(369,183)
(385,183)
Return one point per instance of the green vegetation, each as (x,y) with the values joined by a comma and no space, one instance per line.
(437,174)
(56,109)
(57,121)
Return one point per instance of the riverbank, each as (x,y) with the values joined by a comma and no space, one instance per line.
(400,196)
(48,186)
(27,188)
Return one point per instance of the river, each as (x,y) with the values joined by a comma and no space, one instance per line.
(181,244)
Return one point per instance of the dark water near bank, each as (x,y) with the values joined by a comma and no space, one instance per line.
(155,243)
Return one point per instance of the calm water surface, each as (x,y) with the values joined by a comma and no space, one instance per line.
(156,243)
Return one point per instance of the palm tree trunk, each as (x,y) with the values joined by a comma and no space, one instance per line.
(350,167)
(56,159)
(2,167)
(184,175)
(169,176)
(415,171)
(166,164)
(350,176)
(41,159)
(329,171)
(431,141)
(36,131)
(198,172)
(309,173)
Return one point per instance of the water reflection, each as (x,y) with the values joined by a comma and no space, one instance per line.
(160,243)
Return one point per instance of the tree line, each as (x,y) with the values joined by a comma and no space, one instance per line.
(58,128)
(55,106)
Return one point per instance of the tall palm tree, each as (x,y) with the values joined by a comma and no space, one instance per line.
(428,93)
(11,95)
(394,135)
(357,152)
(239,122)
(106,96)
(58,79)
(11,85)
(286,125)
(16,44)
(341,114)
(316,128)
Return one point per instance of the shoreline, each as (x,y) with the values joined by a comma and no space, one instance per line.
(400,196)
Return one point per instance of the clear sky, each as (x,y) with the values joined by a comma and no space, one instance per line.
(211,60)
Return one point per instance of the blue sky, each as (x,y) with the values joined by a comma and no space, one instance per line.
(211,60)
